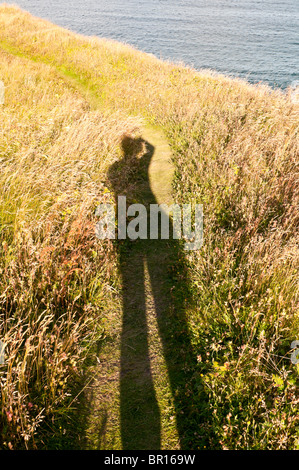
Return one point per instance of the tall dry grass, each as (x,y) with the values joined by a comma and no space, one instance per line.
(55,276)
(235,149)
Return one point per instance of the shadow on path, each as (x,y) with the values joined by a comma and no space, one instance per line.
(163,260)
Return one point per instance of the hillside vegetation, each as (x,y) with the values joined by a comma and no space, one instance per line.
(69,101)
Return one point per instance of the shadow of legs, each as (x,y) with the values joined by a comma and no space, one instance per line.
(140,416)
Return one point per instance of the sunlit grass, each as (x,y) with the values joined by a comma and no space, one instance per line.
(54,275)
(235,149)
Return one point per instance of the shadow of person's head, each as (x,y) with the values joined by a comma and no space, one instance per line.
(132,147)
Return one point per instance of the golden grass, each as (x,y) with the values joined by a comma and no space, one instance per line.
(54,274)
(235,149)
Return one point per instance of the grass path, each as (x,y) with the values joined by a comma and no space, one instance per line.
(153,412)
(132,383)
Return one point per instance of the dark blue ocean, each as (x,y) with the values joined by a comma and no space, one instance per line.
(254,39)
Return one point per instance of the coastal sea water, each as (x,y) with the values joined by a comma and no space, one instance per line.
(253,39)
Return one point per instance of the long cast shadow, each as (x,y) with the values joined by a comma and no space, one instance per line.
(164,260)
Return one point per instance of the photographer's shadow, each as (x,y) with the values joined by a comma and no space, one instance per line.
(156,265)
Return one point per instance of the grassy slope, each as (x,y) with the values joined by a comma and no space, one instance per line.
(235,149)
(55,277)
